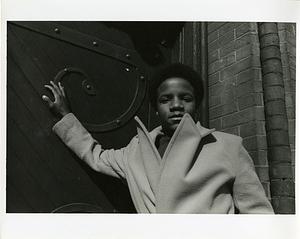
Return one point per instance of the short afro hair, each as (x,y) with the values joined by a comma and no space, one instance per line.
(176,70)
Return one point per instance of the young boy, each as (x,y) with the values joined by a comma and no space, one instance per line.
(180,166)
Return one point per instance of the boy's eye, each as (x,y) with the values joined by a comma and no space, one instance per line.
(163,99)
(188,98)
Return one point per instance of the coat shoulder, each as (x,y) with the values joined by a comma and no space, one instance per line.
(227,138)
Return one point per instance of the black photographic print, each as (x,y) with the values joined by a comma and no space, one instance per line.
(105,70)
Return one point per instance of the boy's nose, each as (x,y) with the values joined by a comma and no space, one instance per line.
(176,105)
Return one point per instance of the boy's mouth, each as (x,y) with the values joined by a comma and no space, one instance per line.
(176,117)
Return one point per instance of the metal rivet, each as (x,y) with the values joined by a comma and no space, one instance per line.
(163,42)
(128,56)
(127,69)
(118,121)
(88,87)
(57,30)
(95,43)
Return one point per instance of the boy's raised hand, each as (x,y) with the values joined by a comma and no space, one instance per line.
(60,104)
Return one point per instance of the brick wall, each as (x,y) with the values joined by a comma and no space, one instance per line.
(287,37)
(235,89)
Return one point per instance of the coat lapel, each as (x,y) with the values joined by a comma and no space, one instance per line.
(149,154)
(163,173)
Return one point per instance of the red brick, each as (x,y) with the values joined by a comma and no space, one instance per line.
(280,154)
(229,95)
(262,173)
(291,50)
(283,205)
(214,101)
(215,89)
(213,79)
(213,26)
(238,118)
(230,59)
(272,67)
(246,28)
(233,130)
(215,124)
(281,171)
(213,56)
(252,128)
(274,92)
(216,66)
(227,76)
(293,157)
(212,36)
(242,29)
(249,74)
(228,27)
(250,100)
(262,142)
(243,64)
(226,49)
(289,99)
(228,37)
(259,157)
(292,141)
(212,46)
(277,122)
(270,52)
(281,26)
(257,86)
(283,188)
(291,126)
(274,107)
(259,113)
(271,40)
(222,110)
(278,137)
(245,89)
(245,40)
(290,113)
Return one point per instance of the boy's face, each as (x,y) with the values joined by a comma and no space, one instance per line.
(175,97)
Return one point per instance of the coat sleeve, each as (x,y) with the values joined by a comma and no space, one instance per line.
(248,193)
(80,141)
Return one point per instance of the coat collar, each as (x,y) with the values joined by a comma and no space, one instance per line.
(158,130)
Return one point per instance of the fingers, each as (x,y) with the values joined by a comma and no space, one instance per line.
(55,86)
(54,92)
(62,89)
(46,98)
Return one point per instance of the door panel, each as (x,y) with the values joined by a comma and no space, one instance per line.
(104,68)
(105,77)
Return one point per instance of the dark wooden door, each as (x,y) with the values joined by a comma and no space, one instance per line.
(105,68)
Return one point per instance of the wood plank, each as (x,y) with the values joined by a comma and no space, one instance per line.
(15,202)
(33,164)
(29,188)
(32,42)
(72,178)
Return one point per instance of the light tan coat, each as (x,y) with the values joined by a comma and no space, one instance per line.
(202,170)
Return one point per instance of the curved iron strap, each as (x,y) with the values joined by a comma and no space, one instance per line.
(79,208)
(89,89)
